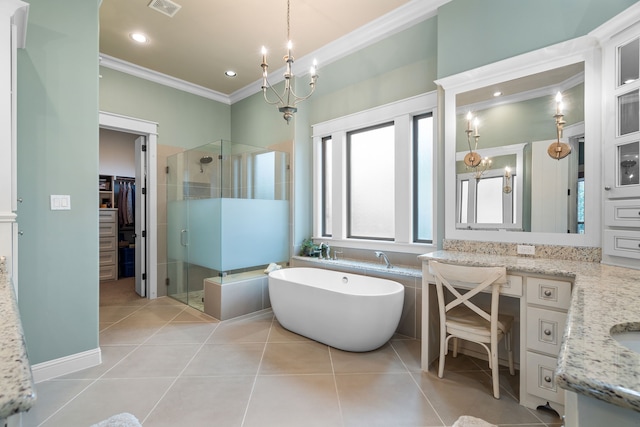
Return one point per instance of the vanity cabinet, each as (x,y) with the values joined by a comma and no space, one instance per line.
(547,302)
(621,89)
(541,305)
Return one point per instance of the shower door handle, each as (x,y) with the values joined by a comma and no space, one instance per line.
(184,237)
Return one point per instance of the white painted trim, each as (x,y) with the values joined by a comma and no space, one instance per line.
(66,365)
(163,79)
(397,20)
(583,49)
(618,24)
(150,130)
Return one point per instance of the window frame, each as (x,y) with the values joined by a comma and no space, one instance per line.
(401,113)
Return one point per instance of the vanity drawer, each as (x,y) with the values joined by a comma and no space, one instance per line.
(541,378)
(622,243)
(622,213)
(545,329)
(549,293)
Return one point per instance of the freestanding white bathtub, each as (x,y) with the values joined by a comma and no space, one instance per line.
(346,311)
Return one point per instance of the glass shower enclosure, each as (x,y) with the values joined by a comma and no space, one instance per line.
(227,216)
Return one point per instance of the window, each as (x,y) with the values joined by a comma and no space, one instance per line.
(371,182)
(422,177)
(373,176)
(326,186)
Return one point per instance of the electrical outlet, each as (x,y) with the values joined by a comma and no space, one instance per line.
(526,250)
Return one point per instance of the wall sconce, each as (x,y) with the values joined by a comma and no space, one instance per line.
(559,150)
(507,180)
(472,159)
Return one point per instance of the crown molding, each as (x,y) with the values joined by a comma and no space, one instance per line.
(163,79)
(393,22)
(399,19)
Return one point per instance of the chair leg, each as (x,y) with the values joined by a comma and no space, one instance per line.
(509,342)
(455,346)
(443,352)
(495,370)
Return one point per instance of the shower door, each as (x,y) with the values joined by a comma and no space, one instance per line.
(191,229)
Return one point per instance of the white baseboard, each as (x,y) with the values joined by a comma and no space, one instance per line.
(66,365)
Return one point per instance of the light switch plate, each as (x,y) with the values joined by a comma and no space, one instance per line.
(60,202)
(526,250)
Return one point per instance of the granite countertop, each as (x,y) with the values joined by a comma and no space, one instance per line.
(590,362)
(401,270)
(17,392)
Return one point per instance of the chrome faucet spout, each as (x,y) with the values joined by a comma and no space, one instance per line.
(384,256)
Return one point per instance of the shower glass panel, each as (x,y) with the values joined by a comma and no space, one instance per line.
(227,216)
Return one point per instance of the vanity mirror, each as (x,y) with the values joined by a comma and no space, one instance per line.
(534,172)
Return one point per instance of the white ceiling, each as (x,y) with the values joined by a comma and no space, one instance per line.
(207,37)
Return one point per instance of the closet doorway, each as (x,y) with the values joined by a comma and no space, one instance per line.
(127,182)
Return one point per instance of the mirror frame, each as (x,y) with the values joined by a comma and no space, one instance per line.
(583,49)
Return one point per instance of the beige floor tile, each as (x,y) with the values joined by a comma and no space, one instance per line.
(190,314)
(123,333)
(163,313)
(280,334)
(183,333)
(382,360)
(370,400)
(296,358)
(51,396)
(470,393)
(150,361)
(116,313)
(111,355)
(107,397)
(245,330)
(410,353)
(293,400)
(203,402)
(226,359)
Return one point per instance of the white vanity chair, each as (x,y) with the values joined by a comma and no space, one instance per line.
(461,318)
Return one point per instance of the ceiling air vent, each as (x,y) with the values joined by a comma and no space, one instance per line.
(166,7)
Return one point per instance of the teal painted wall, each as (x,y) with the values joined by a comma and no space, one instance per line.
(473,33)
(185,120)
(58,128)
(58,154)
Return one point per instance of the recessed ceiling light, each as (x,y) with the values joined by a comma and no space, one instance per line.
(139,37)
(497,93)
(230,73)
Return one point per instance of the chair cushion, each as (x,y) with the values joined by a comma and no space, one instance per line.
(462,318)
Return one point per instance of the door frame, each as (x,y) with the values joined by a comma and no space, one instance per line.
(149,130)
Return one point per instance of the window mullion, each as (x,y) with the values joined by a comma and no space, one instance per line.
(403,172)
(339,178)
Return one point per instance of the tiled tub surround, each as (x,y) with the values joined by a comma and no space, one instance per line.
(409,276)
(590,362)
(17,393)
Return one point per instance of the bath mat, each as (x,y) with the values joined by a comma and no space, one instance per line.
(120,420)
(468,421)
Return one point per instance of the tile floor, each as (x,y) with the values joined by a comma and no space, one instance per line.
(170,365)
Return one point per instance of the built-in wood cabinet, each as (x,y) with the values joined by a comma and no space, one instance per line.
(541,311)
(108,233)
(621,142)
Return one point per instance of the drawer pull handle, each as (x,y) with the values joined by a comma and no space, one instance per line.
(547,332)
(547,379)
(547,293)
(607,188)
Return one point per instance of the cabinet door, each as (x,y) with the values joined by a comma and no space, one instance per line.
(622,144)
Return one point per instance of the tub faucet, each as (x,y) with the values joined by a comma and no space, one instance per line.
(384,256)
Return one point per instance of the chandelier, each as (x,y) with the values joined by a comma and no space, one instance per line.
(472,159)
(286,101)
(559,150)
